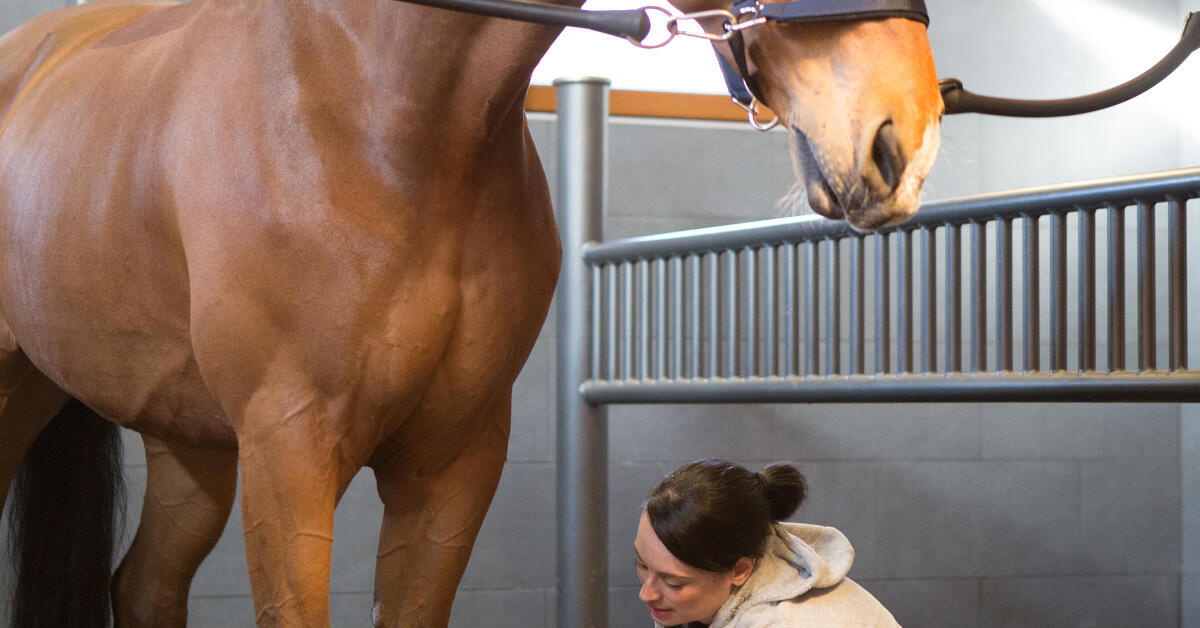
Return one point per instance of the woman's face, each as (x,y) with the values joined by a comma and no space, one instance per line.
(676,592)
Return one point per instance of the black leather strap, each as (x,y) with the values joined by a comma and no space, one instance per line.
(829,10)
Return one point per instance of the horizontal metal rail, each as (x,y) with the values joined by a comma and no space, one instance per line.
(787,310)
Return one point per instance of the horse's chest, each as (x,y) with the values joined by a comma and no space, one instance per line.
(498,307)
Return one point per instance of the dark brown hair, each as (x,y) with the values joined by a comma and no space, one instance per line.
(709,513)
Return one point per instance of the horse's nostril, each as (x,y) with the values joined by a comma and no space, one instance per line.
(888,155)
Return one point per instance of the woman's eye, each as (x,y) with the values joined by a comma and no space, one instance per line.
(672,585)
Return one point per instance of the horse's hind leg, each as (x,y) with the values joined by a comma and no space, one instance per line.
(28,400)
(189,494)
(430,523)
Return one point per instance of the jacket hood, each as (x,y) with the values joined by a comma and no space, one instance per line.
(798,557)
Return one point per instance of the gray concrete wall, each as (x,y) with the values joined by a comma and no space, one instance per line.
(14,12)
(962,514)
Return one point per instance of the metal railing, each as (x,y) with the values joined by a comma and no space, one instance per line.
(778,311)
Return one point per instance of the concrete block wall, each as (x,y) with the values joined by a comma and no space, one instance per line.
(962,514)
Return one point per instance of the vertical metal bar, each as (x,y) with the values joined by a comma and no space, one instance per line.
(904,307)
(643,339)
(929,301)
(582,441)
(978,333)
(731,314)
(595,315)
(627,322)
(750,365)
(771,311)
(1147,334)
(644,319)
(953,299)
(697,332)
(714,313)
(1058,291)
(833,314)
(660,319)
(1116,288)
(1004,295)
(858,297)
(1033,294)
(812,287)
(612,272)
(1087,289)
(1177,272)
(680,333)
(791,344)
(883,304)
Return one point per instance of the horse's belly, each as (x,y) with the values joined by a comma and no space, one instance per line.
(148,384)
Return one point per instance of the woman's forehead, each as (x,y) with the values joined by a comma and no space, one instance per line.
(651,551)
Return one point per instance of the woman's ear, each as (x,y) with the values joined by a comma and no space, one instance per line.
(742,570)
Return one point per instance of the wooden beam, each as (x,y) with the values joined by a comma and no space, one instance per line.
(623,102)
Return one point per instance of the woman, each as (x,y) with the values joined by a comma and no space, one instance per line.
(712,550)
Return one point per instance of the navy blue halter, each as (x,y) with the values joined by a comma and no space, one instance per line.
(740,81)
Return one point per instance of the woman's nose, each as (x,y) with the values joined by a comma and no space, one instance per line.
(648,592)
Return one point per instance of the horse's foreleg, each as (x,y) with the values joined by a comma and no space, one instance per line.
(189,494)
(429,526)
(293,473)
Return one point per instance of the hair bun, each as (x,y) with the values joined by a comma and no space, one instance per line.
(785,489)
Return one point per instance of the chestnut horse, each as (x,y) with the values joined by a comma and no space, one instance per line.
(302,237)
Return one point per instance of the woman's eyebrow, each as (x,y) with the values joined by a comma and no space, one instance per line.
(661,574)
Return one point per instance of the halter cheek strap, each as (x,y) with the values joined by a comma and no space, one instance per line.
(738,78)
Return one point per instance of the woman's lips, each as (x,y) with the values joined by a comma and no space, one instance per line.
(660,613)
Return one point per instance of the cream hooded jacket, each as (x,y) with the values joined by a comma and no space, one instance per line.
(801,581)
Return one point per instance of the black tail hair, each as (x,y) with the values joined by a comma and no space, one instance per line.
(66,506)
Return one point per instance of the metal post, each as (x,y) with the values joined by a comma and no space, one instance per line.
(582,429)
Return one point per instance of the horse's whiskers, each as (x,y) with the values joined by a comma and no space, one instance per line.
(794,202)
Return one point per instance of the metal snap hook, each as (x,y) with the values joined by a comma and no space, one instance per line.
(752,115)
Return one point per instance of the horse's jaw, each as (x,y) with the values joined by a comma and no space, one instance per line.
(836,188)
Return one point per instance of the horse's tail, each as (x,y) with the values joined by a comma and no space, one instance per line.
(67,503)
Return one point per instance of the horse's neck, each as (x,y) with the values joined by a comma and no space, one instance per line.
(407,61)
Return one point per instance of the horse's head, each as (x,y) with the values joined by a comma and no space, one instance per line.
(861,102)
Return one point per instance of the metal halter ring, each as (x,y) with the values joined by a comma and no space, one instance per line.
(752,115)
(670,26)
